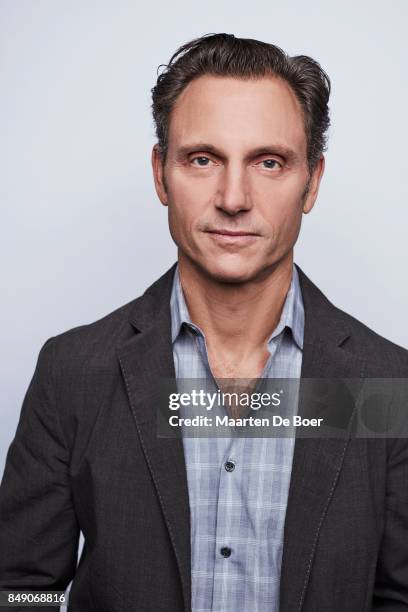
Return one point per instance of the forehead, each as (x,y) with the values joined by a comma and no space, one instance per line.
(232,112)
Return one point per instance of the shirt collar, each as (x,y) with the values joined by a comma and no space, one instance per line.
(292,317)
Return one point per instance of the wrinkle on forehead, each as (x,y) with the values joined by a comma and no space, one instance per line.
(238,113)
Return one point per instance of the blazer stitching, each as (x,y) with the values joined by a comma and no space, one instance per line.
(152,472)
(319,526)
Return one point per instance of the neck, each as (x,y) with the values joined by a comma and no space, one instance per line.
(237,317)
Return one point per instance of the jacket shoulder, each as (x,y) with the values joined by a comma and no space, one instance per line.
(102,336)
(383,357)
(374,348)
(93,338)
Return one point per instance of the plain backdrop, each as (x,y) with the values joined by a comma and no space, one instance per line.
(82,231)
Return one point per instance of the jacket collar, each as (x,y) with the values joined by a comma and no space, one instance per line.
(323,321)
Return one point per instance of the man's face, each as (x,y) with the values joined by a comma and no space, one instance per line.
(235,175)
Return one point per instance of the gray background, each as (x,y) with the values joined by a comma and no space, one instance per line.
(82,231)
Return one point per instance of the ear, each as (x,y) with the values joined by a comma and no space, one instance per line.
(314,186)
(158,174)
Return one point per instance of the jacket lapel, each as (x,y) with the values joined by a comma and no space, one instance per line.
(316,462)
(145,359)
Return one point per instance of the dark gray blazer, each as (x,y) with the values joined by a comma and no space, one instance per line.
(86,457)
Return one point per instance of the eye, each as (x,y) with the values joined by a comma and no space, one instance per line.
(201,161)
(270,164)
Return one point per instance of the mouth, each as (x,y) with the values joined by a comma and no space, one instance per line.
(232,236)
(225,232)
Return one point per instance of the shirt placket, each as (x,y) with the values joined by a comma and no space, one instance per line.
(228,591)
(228,449)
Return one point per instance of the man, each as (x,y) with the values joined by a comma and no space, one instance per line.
(212,524)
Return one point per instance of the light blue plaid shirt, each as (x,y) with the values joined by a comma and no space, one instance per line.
(238,508)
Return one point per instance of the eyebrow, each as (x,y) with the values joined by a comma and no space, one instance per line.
(274,149)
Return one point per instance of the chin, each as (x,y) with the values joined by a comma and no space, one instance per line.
(231,272)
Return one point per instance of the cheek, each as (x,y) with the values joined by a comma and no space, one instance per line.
(187,186)
(189,198)
(184,211)
(180,201)
(281,209)
(280,197)
(287,188)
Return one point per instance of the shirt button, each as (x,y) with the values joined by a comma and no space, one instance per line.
(225,551)
(229,466)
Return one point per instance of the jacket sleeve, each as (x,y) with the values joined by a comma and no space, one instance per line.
(39,531)
(391,585)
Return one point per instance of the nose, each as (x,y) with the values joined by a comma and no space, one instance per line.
(233,194)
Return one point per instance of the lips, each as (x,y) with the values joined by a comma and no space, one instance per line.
(232,239)
(225,232)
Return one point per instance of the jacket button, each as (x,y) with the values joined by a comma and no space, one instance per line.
(229,466)
(225,551)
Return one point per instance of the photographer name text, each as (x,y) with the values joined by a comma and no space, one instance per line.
(251,421)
